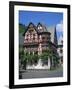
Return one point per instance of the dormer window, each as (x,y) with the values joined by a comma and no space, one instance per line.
(39,27)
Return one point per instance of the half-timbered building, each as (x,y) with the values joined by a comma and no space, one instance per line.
(38,39)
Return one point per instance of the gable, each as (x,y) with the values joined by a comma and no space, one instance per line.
(31,33)
(41,28)
(31,28)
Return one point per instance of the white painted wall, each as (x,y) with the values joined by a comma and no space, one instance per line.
(4,44)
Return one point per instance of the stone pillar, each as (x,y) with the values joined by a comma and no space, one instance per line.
(33,52)
(29,52)
(40,62)
(49,63)
(39,53)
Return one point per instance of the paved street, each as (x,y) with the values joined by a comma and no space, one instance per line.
(41,73)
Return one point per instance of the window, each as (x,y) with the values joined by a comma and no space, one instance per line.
(48,38)
(39,27)
(33,34)
(33,38)
(43,37)
(27,35)
(26,39)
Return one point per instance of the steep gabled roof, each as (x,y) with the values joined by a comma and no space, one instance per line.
(32,25)
(39,24)
(44,29)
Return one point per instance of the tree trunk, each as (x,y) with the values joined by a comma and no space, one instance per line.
(25,65)
(52,62)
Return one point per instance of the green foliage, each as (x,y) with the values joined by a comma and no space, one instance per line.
(44,56)
(47,53)
(31,58)
(21,52)
(35,57)
(25,57)
(21,28)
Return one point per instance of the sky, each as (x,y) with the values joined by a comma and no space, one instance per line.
(46,18)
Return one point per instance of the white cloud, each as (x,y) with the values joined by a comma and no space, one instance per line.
(59,26)
(60,39)
(59,29)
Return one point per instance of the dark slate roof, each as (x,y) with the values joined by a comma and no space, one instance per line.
(44,31)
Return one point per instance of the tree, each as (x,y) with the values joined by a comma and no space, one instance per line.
(47,55)
(44,56)
(29,58)
(22,28)
(24,57)
(35,58)
(56,59)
